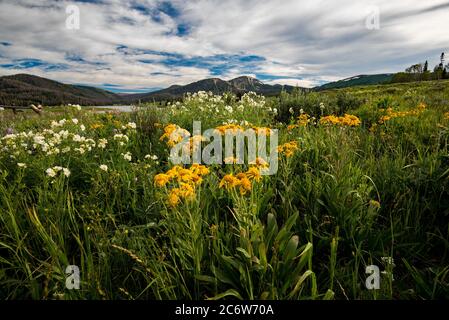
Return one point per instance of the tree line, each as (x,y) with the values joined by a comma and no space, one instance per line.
(421,72)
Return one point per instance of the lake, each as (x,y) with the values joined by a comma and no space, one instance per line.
(102,109)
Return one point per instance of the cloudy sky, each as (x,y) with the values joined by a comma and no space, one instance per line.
(142,45)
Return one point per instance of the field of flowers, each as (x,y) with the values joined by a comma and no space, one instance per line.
(363,179)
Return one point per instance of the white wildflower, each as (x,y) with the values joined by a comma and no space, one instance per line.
(21,165)
(131,125)
(50,172)
(127,156)
(102,143)
(104,167)
(66,172)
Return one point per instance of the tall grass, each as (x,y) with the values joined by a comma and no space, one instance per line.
(348,197)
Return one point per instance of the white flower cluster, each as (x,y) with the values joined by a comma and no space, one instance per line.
(129,125)
(75,106)
(53,172)
(121,138)
(49,141)
(127,156)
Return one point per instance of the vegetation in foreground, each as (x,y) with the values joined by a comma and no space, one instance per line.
(363,180)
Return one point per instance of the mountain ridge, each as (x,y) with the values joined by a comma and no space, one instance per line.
(25,89)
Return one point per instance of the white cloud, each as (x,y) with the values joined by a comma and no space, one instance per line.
(304,42)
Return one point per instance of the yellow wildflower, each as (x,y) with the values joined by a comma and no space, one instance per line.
(253,173)
(173,198)
(161,179)
(245,185)
(229,181)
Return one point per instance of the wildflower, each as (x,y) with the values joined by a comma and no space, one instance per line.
(22,165)
(173,198)
(104,167)
(50,172)
(131,125)
(230,160)
(229,181)
(82,127)
(228,129)
(161,179)
(347,120)
(66,172)
(288,148)
(291,110)
(260,162)
(152,157)
(199,169)
(102,143)
(96,126)
(303,120)
(186,191)
(253,174)
(263,131)
(75,121)
(374,204)
(127,156)
(245,185)
(229,109)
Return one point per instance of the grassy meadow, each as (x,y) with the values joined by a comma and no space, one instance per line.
(363,180)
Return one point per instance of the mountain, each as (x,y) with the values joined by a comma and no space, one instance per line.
(215,85)
(359,80)
(238,85)
(25,89)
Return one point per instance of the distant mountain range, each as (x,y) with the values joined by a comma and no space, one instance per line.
(238,85)
(25,89)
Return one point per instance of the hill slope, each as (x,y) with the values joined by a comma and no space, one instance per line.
(24,89)
(359,80)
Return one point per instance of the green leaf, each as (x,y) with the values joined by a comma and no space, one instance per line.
(230,292)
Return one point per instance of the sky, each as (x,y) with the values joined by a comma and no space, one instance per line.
(145,45)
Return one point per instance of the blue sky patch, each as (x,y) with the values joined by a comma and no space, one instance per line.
(22,64)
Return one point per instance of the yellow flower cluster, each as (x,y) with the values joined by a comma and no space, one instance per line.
(303,120)
(347,120)
(241,180)
(446,115)
(232,128)
(186,180)
(96,126)
(288,148)
(174,134)
(391,114)
(263,131)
